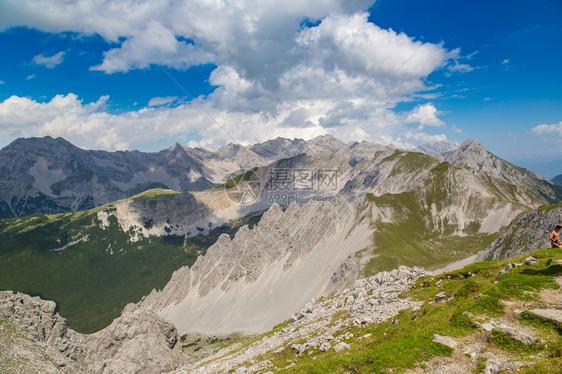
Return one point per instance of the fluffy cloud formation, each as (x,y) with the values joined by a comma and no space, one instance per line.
(89,125)
(411,139)
(49,61)
(154,45)
(158,101)
(291,68)
(425,115)
(554,130)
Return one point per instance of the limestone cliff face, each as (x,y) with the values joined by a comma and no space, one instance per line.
(291,255)
(34,338)
(168,213)
(528,234)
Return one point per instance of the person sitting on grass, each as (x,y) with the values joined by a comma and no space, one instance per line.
(555,237)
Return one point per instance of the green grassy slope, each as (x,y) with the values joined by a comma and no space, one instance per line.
(414,239)
(92,280)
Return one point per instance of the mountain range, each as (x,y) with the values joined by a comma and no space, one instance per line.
(46,175)
(237,240)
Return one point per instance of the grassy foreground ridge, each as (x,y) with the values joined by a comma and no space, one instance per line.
(407,345)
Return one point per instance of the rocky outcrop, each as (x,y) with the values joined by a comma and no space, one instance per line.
(139,341)
(528,234)
(548,315)
(39,341)
(35,320)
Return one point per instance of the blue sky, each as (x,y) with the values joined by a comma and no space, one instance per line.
(143,75)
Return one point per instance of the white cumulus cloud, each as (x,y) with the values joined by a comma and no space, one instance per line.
(274,75)
(549,130)
(158,101)
(425,115)
(49,61)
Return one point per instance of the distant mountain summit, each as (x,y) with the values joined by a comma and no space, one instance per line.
(46,175)
(557,179)
(437,148)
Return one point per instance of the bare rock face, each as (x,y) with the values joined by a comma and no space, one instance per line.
(137,342)
(292,255)
(42,332)
(39,341)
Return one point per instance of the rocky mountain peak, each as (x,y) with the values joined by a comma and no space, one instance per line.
(471,154)
(473,144)
(279,147)
(324,143)
(175,146)
(437,148)
(41,144)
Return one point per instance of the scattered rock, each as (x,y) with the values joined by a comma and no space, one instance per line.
(549,315)
(440,297)
(517,335)
(325,347)
(531,261)
(300,348)
(341,346)
(445,340)
(506,366)
(487,326)
(364,336)
(507,269)
(346,336)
